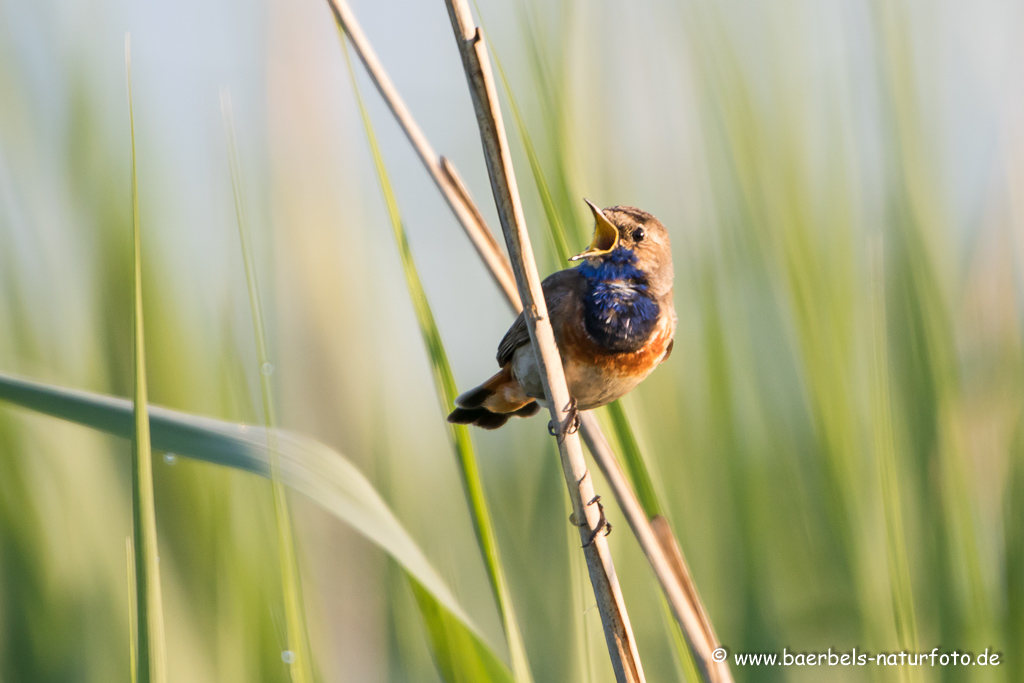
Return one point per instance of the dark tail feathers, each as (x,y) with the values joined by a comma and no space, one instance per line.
(481,417)
(474,398)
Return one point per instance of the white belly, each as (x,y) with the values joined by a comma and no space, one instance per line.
(591,385)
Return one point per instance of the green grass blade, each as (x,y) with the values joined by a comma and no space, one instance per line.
(306,466)
(133,667)
(447,390)
(301,664)
(686,667)
(460,657)
(1013,535)
(556,230)
(152,655)
(885,452)
(633,459)
(555,101)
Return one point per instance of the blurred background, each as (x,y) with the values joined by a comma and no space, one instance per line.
(844,186)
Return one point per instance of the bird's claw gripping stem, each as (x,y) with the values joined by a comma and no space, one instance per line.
(572,422)
(602,522)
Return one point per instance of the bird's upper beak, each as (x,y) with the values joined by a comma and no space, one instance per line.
(606,235)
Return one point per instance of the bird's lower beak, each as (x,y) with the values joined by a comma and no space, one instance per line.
(606,235)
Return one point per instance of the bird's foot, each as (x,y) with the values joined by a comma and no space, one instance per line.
(602,522)
(574,416)
(572,422)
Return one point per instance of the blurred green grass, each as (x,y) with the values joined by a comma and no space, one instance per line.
(148,647)
(776,144)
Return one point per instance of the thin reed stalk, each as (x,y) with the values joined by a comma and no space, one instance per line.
(615,412)
(444,382)
(298,654)
(151,657)
(451,188)
(555,228)
(665,559)
(618,631)
(685,605)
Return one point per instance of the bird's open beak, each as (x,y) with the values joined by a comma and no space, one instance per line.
(606,235)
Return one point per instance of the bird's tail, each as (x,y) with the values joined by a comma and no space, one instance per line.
(482,417)
(491,404)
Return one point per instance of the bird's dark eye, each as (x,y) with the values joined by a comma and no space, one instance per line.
(639,234)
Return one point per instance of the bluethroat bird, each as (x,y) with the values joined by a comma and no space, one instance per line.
(612,317)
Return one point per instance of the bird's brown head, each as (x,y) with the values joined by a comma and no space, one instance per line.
(625,232)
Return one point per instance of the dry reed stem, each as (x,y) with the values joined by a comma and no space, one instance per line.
(674,555)
(612,607)
(656,541)
(664,555)
(456,195)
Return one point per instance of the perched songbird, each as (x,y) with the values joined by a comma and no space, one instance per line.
(612,317)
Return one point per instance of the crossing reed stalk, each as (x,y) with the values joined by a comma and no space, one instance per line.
(657,542)
(618,631)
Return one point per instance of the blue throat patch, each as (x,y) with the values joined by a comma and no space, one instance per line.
(618,310)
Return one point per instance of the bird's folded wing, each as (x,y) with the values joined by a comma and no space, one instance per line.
(561,290)
(516,336)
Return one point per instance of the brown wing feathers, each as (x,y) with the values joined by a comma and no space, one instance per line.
(491,404)
(516,336)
